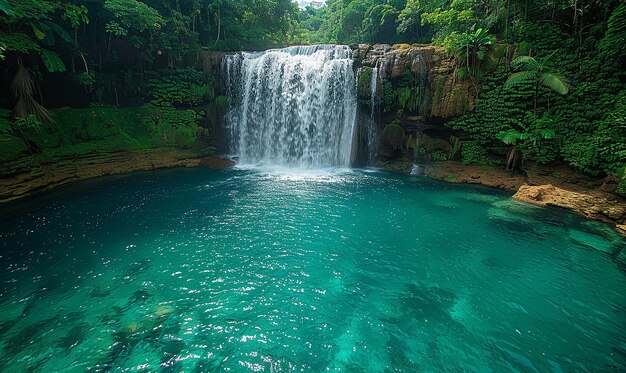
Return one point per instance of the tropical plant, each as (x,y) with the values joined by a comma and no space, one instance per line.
(538,74)
(535,130)
(30,32)
(474,49)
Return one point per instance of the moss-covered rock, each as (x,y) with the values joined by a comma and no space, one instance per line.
(11,147)
(435,90)
(364,85)
(393,135)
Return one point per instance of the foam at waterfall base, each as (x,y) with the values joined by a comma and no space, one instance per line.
(325,174)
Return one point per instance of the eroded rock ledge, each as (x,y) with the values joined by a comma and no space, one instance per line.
(589,198)
(26,182)
(449,97)
(592,204)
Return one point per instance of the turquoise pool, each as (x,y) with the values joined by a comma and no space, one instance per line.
(343,271)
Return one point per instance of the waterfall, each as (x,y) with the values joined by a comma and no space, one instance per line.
(293,107)
(374,89)
(372,125)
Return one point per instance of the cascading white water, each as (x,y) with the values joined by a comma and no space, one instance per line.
(293,107)
(372,126)
(374,89)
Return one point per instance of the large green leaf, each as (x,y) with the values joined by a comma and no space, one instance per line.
(526,63)
(38,33)
(511,137)
(520,78)
(59,31)
(6,8)
(555,82)
(18,42)
(547,133)
(49,35)
(52,61)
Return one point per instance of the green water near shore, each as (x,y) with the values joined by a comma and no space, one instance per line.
(247,270)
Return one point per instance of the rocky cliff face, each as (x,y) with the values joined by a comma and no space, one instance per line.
(448,97)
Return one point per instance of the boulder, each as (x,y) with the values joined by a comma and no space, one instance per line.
(593,204)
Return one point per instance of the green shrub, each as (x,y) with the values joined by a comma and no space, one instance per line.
(364,85)
(182,87)
(472,152)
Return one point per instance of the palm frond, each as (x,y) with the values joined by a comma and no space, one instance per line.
(23,84)
(519,78)
(555,82)
(547,58)
(23,87)
(526,62)
(26,106)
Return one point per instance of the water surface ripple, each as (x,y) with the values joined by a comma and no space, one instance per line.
(244,270)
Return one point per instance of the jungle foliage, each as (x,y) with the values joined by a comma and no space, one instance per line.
(548,74)
(93,48)
(109,54)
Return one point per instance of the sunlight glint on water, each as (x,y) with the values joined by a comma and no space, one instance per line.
(242,270)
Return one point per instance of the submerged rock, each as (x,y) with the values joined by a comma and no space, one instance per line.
(75,336)
(97,292)
(512,211)
(592,241)
(164,311)
(516,217)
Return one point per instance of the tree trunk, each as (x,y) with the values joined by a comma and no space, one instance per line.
(512,160)
(219,27)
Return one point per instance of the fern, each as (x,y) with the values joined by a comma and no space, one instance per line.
(613,45)
(555,82)
(519,78)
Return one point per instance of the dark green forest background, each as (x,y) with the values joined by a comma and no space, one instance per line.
(128,74)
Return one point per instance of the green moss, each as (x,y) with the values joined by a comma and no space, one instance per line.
(394,135)
(181,87)
(364,85)
(438,95)
(11,147)
(77,132)
(221,102)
